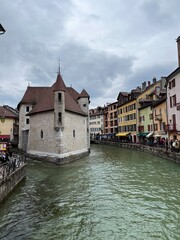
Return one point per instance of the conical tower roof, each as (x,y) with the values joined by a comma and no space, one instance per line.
(59,85)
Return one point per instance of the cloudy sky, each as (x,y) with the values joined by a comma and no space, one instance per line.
(104,46)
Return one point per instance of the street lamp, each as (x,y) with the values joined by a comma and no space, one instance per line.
(2,30)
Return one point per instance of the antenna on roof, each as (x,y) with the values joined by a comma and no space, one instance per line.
(59,67)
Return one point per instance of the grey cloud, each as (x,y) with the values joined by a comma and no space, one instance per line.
(92,69)
(147,74)
(155,16)
(38,34)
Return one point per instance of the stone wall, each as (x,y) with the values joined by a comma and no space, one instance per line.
(71,138)
(8,184)
(22,123)
(42,122)
(56,158)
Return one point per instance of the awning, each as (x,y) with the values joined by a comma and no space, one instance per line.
(143,134)
(122,134)
(157,135)
(5,136)
(149,134)
(109,134)
(161,135)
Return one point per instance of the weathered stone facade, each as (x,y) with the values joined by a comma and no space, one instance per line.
(58,128)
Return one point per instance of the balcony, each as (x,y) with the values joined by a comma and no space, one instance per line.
(170,128)
(158,117)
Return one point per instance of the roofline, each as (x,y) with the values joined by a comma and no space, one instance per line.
(127,102)
(29,114)
(42,111)
(85,115)
(177,70)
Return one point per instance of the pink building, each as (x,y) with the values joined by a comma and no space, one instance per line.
(173,100)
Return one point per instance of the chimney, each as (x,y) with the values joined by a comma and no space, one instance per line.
(178,48)
(154,79)
(149,83)
(143,86)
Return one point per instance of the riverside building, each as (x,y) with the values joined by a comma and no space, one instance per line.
(54,122)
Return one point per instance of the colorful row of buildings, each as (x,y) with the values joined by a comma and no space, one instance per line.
(147,112)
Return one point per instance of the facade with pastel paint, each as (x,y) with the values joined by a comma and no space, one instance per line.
(173,100)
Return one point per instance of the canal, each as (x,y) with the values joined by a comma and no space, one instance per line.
(112,194)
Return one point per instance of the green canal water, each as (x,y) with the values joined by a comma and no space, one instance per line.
(112,194)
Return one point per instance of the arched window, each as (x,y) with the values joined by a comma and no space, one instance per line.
(41,134)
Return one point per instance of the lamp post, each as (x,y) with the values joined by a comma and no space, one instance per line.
(2,30)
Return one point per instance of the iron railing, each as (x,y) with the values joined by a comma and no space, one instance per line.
(10,166)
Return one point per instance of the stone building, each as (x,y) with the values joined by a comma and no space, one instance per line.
(54,122)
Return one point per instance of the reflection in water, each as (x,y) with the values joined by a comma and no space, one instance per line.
(112,194)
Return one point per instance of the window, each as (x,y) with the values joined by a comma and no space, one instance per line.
(173,101)
(151,116)
(41,134)
(170,85)
(27,108)
(142,118)
(155,127)
(60,117)
(74,133)
(173,84)
(27,120)
(84,105)
(59,97)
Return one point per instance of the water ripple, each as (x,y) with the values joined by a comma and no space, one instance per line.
(112,194)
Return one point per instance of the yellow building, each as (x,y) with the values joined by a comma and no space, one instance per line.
(127,115)
(160,118)
(8,126)
(150,93)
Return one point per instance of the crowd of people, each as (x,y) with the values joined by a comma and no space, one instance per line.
(5,156)
(173,145)
(169,145)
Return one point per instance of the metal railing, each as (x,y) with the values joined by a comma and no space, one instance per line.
(10,166)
